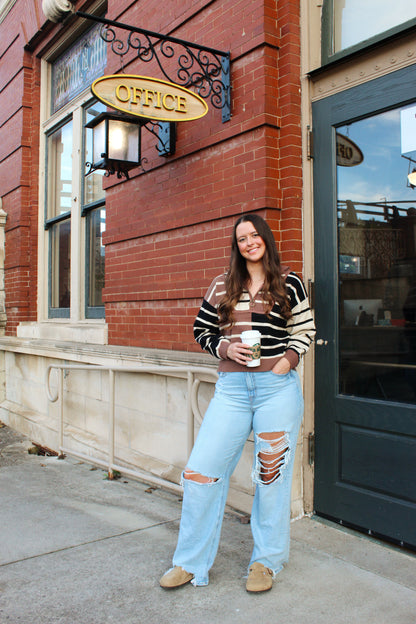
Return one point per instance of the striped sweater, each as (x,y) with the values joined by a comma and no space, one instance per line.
(279,337)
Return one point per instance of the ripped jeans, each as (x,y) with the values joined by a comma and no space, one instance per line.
(271,406)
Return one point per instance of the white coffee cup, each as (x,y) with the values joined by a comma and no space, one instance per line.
(252,338)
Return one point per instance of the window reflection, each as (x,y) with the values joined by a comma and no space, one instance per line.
(96,227)
(355,20)
(95,222)
(60,264)
(377,257)
(60,171)
(93,183)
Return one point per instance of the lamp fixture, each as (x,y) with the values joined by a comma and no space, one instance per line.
(205,70)
(412,178)
(116,144)
(411,175)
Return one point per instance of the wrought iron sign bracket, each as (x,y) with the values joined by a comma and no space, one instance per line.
(203,69)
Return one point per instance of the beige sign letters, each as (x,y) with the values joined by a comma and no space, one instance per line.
(149,97)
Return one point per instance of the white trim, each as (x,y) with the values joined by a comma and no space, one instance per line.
(76,328)
(42,302)
(90,331)
(5,8)
(72,32)
(310,29)
(77,240)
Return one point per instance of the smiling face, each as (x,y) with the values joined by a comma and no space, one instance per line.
(250,244)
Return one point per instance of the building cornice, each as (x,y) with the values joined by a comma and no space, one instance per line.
(361,69)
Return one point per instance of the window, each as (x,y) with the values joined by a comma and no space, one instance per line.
(58,217)
(93,211)
(377,256)
(74,204)
(65,183)
(351,24)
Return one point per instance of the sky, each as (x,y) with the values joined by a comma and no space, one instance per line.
(362,19)
(382,176)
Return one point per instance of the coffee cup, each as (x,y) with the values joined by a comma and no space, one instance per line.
(252,339)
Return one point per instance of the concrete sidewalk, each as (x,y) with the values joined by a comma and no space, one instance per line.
(76,548)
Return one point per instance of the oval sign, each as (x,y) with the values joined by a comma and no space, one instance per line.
(149,97)
(348,153)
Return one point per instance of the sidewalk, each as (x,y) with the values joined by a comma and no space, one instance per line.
(76,548)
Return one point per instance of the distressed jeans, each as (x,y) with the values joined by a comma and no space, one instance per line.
(264,403)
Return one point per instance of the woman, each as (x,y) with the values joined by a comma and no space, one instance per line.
(254,294)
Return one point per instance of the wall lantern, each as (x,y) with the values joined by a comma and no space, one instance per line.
(157,103)
(411,172)
(116,144)
(411,177)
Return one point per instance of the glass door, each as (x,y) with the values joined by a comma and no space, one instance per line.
(365,297)
(376,218)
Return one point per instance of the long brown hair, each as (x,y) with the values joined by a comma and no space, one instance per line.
(237,278)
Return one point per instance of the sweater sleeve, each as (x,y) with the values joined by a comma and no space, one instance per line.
(301,327)
(206,327)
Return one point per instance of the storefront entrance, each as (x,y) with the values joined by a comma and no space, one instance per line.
(365,305)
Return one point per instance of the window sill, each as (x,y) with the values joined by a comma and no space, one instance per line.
(91,331)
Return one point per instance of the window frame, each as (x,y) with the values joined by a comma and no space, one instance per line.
(329,57)
(91,312)
(79,311)
(54,312)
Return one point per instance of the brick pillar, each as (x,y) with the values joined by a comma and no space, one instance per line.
(3,317)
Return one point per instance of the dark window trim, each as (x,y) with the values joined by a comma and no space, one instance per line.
(48,223)
(88,207)
(49,133)
(97,312)
(331,59)
(85,106)
(53,220)
(58,312)
(91,312)
(55,312)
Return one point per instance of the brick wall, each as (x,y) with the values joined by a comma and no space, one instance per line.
(19,156)
(168,230)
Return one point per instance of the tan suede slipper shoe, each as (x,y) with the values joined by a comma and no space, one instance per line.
(175,577)
(259,578)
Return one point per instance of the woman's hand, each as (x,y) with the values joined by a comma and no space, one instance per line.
(282,367)
(239,352)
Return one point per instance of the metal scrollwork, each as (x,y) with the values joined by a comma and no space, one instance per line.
(204,69)
(112,168)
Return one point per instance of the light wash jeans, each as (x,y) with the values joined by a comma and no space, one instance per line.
(265,403)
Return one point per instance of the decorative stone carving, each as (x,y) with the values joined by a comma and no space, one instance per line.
(56,10)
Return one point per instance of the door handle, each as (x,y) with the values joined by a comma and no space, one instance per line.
(321,342)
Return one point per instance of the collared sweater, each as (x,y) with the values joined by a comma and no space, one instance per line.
(279,337)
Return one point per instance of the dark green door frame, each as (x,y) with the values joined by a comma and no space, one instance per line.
(341,418)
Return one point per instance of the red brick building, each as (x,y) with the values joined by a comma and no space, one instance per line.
(111,271)
(168,228)
(164,232)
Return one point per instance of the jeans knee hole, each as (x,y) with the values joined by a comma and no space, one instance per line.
(272,457)
(191,475)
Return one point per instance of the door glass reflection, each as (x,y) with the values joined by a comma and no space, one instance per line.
(376,204)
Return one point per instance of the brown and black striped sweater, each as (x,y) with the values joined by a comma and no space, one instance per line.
(279,337)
